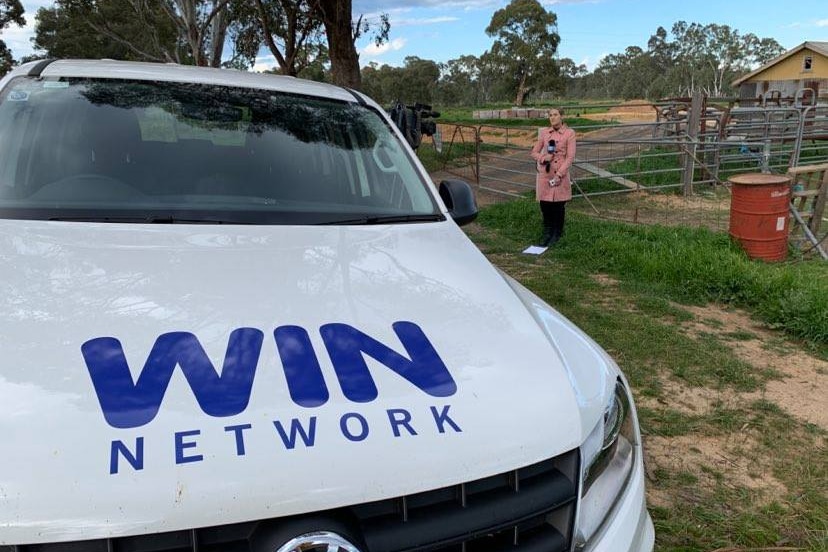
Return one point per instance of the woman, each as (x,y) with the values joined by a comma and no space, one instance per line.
(553,152)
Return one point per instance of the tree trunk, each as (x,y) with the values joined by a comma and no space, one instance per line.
(217,35)
(521,91)
(336,15)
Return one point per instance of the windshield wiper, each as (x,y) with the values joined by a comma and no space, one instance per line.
(385,219)
(147,220)
(177,220)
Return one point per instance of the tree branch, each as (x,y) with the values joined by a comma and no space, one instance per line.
(106,31)
(268,36)
(217,7)
(356,33)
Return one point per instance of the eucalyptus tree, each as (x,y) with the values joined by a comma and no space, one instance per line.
(342,32)
(11,13)
(691,58)
(709,57)
(64,31)
(460,82)
(290,29)
(526,42)
(181,31)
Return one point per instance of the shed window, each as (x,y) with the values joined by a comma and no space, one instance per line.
(806,63)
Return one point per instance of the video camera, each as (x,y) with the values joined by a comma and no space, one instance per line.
(414,121)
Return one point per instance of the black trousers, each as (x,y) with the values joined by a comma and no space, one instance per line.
(553,213)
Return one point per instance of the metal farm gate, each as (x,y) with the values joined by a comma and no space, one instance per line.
(670,166)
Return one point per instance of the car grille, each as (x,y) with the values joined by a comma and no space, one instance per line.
(531,509)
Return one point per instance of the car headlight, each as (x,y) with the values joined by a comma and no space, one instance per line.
(607,463)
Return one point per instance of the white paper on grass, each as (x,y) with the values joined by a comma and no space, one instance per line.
(535,250)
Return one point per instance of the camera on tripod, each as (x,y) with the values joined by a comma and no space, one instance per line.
(414,121)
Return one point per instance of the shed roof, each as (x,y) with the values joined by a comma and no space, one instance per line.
(819,47)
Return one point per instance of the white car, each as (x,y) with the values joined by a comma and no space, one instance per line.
(236,316)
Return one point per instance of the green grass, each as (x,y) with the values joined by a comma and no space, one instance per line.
(572,117)
(720,513)
(574,122)
(813,152)
(685,265)
(640,168)
(572,110)
(740,335)
(621,284)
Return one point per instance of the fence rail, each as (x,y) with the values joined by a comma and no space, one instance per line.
(690,146)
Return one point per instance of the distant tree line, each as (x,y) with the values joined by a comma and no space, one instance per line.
(316,39)
(692,58)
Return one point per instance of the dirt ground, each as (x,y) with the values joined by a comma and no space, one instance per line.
(801,390)
(632,111)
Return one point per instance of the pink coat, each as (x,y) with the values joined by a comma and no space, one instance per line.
(559,168)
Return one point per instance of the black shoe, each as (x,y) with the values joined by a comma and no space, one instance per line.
(546,238)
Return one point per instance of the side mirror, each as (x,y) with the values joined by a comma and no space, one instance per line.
(459,198)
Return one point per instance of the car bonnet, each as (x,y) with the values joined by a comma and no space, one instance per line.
(161,377)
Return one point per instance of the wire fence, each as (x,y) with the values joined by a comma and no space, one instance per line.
(668,164)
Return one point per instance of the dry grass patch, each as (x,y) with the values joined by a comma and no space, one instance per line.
(704,463)
(802,389)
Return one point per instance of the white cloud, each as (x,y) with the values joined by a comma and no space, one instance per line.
(425,21)
(601,56)
(372,50)
(592,63)
(558,2)
(822,23)
(264,63)
(17,38)
(362,6)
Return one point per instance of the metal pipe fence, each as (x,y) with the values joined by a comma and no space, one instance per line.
(672,168)
(735,140)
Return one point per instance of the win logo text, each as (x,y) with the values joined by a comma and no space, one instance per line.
(128,403)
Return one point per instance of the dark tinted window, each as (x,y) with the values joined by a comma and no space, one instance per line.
(133,151)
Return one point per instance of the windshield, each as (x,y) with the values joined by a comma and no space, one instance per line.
(139,151)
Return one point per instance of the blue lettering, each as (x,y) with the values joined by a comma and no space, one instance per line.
(304,376)
(126,404)
(135,460)
(181,445)
(238,429)
(130,403)
(424,368)
(399,417)
(343,425)
(443,418)
(308,436)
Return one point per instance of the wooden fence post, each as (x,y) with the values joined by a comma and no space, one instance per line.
(819,204)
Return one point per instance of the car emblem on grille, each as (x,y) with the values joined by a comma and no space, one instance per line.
(322,541)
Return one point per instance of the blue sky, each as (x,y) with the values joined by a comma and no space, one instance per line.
(441,30)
